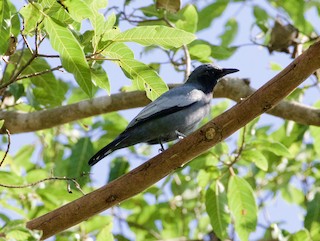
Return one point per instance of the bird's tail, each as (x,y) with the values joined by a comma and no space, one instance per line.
(108,149)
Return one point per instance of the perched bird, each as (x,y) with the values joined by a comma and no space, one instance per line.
(173,115)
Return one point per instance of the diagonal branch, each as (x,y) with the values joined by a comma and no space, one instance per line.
(185,150)
(232,88)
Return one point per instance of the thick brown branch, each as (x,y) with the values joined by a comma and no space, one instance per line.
(179,154)
(234,89)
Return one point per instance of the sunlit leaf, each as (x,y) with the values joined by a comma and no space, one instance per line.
(300,235)
(5,23)
(79,9)
(117,51)
(217,209)
(100,77)
(144,78)
(292,194)
(188,19)
(71,54)
(31,16)
(256,157)
(243,206)
(156,35)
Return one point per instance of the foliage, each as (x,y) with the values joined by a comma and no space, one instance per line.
(222,193)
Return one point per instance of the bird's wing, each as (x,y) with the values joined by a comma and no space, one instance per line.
(171,101)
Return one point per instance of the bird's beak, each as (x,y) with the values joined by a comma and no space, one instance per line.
(228,71)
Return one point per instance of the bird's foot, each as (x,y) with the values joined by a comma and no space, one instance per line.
(161,147)
(180,135)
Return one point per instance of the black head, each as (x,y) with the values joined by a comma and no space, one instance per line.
(207,76)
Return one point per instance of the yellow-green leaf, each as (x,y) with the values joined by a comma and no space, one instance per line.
(4,26)
(243,206)
(143,77)
(217,209)
(156,35)
(71,54)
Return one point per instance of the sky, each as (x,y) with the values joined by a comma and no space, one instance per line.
(253,63)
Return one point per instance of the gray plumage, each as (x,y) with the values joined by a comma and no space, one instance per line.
(176,112)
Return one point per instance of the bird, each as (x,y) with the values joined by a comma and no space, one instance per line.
(171,116)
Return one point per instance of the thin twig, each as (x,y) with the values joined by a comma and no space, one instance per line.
(243,139)
(48,56)
(36,36)
(187,60)
(39,73)
(8,147)
(27,43)
(69,179)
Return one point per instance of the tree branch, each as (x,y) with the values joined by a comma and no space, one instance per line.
(182,152)
(232,88)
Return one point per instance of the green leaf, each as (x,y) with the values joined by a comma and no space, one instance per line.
(260,14)
(118,167)
(253,155)
(97,223)
(105,233)
(15,20)
(230,32)
(118,51)
(1,123)
(315,133)
(188,19)
(19,234)
(217,209)
(17,90)
(5,23)
(273,146)
(201,52)
(312,219)
(292,194)
(300,235)
(143,77)
(31,16)
(220,52)
(78,9)
(275,66)
(296,10)
(23,158)
(81,153)
(57,11)
(71,54)
(243,206)
(98,22)
(46,89)
(210,12)
(100,77)
(36,175)
(9,178)
(156,35)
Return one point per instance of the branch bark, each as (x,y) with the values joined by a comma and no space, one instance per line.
(179,154)
(232,88)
